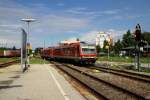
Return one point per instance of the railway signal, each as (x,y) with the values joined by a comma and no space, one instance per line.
(137,46)
(138,33)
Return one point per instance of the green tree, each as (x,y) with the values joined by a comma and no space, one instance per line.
(37,51)
(98,48)
(105,44)
(146,36)
(118,46)
(128,39)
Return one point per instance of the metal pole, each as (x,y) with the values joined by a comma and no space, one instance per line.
(44,48)
(108,47)
(147,57)
(138,57)
(28,59)
(22,53)
(108,54)
(135,60)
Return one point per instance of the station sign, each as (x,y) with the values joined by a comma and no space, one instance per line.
(24,50)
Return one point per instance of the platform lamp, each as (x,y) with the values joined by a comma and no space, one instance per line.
(28,21)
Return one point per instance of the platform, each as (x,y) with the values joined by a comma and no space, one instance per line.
(40,82)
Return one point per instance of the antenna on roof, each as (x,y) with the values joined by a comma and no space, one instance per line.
(77,39)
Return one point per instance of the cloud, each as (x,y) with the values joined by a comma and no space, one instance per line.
(116,34)
(45,25)
(89,36)
(59,24)
(77,10)
(10,38)
(10,24)
(114,11)
(60,4)
(86,12)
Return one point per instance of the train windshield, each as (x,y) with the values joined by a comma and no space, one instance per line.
(88,49)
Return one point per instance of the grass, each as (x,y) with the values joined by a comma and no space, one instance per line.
(32,60)
(145,60)
(123,59)
(4,60)
(38,61)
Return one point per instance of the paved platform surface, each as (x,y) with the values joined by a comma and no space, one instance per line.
(40,82)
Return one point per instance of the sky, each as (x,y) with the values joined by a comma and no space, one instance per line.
(58,20)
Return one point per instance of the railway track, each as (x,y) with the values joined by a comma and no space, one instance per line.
(105,86)
(125,73)
(9,63)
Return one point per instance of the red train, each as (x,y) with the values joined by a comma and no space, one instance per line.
(79,52)
(10,53)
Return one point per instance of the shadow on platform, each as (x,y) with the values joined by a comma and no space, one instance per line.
(12,86)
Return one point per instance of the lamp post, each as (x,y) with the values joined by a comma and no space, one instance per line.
(44,49)
(109,40)
(28,21)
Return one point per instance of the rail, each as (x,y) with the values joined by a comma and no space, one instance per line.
(9,63)
(125,73)
(117,92)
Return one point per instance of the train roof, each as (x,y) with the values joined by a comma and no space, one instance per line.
(85,43)
(64,44)
(69,42)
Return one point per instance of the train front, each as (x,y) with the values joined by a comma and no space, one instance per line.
(87,53)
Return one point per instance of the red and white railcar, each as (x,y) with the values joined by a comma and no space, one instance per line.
(79,52)
(47,53)
(10,53)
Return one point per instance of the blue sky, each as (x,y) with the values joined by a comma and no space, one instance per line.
(69,19)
